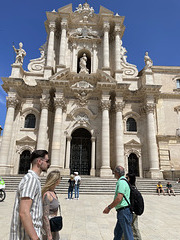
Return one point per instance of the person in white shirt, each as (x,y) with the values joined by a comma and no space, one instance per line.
(77,179)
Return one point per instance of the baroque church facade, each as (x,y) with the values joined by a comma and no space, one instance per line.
(84,103)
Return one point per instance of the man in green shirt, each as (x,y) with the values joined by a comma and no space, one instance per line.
(124,215)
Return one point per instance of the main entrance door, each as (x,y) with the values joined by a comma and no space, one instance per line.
(133,164)
(81,152)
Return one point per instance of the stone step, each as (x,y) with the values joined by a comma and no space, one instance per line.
(95,185)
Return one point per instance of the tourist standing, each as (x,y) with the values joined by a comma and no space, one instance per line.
(124,215)
(77,180)
(27,213)
(71,182)
(50,204)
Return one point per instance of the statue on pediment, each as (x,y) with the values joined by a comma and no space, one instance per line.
(85,9)
(148,61)
(20,54)
(85,32)
(83,63)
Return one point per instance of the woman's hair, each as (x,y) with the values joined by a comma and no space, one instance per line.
(51,180)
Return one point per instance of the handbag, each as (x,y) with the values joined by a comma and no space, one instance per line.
(56,223)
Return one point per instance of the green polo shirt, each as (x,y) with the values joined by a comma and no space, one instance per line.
(122,187)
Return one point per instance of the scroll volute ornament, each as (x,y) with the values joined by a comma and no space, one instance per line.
(105,104)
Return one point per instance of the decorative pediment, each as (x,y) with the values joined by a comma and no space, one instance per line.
(133,143)
(26,140)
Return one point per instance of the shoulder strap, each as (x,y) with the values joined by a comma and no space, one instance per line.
(59,204)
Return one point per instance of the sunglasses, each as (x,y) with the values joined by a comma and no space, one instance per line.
(46,160)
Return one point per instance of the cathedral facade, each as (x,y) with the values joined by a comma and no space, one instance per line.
(84,103)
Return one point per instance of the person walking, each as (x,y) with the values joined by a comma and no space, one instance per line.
(124,215)
(136,233)
(50,204)
(71,182)
(27,212)
(77,180)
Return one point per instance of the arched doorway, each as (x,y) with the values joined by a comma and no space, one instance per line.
(133,164)
(24,163)
(80,160)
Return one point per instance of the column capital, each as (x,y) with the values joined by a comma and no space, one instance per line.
(64,24)
(59,102)
(149,107)
(105,104)
(52,26)
(11,102)
(93,139)
(68,138)
(117,28)
(106,26)
(119,106)
(44,103)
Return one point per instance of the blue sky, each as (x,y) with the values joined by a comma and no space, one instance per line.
(151,26)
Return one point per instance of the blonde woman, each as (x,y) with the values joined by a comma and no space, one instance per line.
(50,204)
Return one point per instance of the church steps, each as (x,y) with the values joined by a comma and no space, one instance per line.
(95,185)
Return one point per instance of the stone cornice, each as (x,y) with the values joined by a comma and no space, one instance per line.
(166,69)
(168,138)
(174,95)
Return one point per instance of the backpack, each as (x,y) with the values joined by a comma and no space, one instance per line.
(136,200)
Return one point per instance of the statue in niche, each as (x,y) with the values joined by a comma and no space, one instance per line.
(82,64)
(148,61)
(20,54)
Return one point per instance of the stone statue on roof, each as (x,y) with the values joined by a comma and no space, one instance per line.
(20,54)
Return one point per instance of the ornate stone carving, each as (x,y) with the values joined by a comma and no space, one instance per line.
(11,102)
(177,109)
(82,84)
(37,65)
(150,107)
(20,54)
(86,10)
(148,62)
(82,118)
(106,26)
(44,103)
(85,32)
(129,70)
(119,106)
(52,27)
(82,90)
(59,102)
(105,104)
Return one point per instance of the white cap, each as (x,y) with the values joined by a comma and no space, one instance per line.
(76,173)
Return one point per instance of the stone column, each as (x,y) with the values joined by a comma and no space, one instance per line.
(118,43)
(62,48)
(56,140)
(50,51)
(74,58)
(151,141)
(119,133)
(106,27)
(105,147)
(93,154)
(43,125)
(94,66)
(68,149)
(7,134)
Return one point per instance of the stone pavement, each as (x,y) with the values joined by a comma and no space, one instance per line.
(84,220)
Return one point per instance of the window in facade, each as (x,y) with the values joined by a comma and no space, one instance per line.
(131,125)
(30,121)
(178,83)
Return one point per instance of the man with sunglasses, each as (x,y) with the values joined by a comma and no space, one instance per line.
(27,213)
